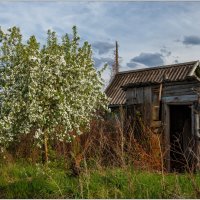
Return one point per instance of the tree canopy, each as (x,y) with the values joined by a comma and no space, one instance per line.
(52,90)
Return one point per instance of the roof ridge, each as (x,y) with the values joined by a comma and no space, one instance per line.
(157,67)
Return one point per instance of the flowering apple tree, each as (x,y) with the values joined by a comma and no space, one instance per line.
(51,91)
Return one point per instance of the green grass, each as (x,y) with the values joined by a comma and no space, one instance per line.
(22,180)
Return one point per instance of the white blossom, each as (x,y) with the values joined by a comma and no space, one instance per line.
(49,87)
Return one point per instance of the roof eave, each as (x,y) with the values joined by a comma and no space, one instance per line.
(192,72)
(115,105)
(110,82)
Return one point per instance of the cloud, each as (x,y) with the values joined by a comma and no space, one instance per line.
(165,52)
(191,40)
(91,20)
(177,40)
(103,47)
(101,61)
(132,64)
(149,59)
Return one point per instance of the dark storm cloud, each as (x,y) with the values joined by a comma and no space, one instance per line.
(191,40)
(103,47)
(149,59)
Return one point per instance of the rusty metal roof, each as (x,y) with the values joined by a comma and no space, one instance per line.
(175,72)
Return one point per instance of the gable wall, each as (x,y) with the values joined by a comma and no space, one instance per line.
(145,95)
(180,88)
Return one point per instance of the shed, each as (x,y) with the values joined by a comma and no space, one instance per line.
(168,99)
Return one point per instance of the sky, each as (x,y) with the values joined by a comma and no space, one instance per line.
(148,33)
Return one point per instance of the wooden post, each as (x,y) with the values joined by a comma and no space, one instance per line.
(166,137)
(115,65)
(160,101)
(116,58)
(160,92)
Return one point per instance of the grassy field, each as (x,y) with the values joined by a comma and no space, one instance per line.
(22,180)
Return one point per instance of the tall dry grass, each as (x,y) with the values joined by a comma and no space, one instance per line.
(113,142)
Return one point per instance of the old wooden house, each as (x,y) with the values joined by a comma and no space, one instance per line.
(168,99)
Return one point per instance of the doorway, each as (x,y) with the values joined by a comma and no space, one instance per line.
(181,143)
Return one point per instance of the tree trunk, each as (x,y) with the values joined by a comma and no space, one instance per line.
(45,157)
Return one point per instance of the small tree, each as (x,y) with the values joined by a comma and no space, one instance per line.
(52,92)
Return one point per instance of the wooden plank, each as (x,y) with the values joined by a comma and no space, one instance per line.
(166,137)
(195,133)
(185,87)
(182,86)
(147,104)
(179,99)
(160,92)
(196,125)
(179,92)
(187,82)
(192,72)
(140,95)
(131,96)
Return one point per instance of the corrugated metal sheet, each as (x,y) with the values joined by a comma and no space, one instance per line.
(176,72)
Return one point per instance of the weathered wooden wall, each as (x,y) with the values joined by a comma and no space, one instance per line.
(143,96)
(186,90)
(180,88)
